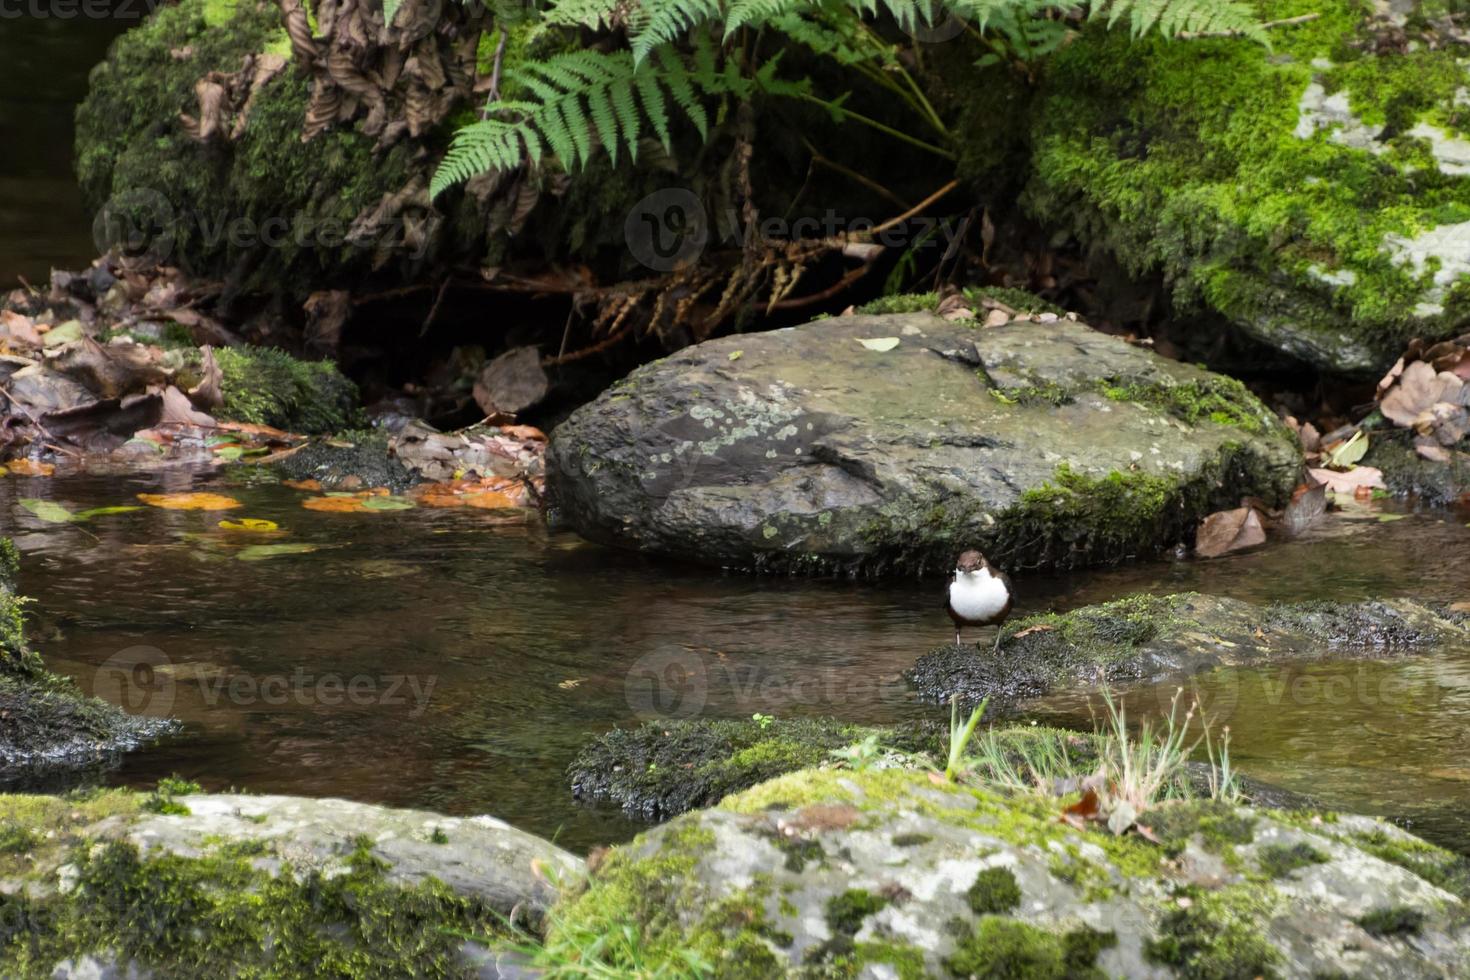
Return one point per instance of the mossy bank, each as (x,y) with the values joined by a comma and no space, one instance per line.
(1150,638)
(46,721)
(872,445)
(886,873)
(178,883)
(1311,193)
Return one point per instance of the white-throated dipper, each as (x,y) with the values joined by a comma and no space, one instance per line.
(978,595)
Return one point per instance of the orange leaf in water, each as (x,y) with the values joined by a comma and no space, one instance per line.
(302,484)
(189,501)
(336,505)
(28,467)
(490,500)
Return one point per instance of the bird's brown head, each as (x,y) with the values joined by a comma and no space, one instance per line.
(970,561)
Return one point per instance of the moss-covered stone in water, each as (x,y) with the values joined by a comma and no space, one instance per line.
(1280,860)
(994,892)
(668,767)
(264,386)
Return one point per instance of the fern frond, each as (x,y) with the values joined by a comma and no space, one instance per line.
(1175,17)
(660,22)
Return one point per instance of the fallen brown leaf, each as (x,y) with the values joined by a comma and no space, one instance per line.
(1229,530)
(1359,477)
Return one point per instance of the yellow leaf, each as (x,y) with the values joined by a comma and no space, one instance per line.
(189,501)
(252,524)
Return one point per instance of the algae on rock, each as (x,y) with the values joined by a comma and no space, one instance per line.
(1149,638)
(46,721)
(265,386)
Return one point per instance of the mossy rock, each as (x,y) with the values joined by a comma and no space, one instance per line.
(136,160)
(1435,483)
(1313,193)
(872,445)
(664,768)
(265,386)
(1152,638)
(1053,901)
(181,883)
(46,722)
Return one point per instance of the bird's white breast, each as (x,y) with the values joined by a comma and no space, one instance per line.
(977,595)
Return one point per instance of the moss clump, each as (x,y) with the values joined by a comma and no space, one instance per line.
(1221,400)
(1435,865)
(901,303)
(1280,860)
(220,915)
(1218,936)
(1017,299)
(1106,630)
(1394,920)
(994,892)
(1007,949)
(845,913)
(163,799)
(1217,823)
(264,386)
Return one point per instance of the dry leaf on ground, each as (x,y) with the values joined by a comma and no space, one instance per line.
(1357,478)
(1230,530)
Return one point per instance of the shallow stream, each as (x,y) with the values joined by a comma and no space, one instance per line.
(456,659)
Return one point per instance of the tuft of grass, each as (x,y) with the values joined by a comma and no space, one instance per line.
(960,735)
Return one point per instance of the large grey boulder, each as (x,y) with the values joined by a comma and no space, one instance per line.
(872,444)
(886,874)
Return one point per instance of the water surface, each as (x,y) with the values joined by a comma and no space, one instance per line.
(456,659)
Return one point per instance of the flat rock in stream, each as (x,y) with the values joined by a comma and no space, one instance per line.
(1151,638)
(873,444)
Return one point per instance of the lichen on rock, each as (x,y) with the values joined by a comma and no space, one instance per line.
(1047,444)
(718,884)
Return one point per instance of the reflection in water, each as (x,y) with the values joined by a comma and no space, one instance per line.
(457,659)
(44,61)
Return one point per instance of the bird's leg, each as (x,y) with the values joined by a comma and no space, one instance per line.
(957,637)
(999,631)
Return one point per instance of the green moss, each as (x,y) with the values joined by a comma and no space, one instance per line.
(910,840)
(1434,864)
(1217,823)
(265,386)
(219,915)
(845,913)
(1393,920)
(1280,860)
(1218,936)
(1017,299)
(901,303)
(665,768)
(1182,159)
(994,892)
(1007,949)
(162,799)
(221,195)
(1217,399)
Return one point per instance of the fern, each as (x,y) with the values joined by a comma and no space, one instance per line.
(575,104)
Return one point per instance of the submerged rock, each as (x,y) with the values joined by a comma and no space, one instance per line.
(182,883)
(873,444)
(46,722)
(888,874)
(1315,193)
(1151,638)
